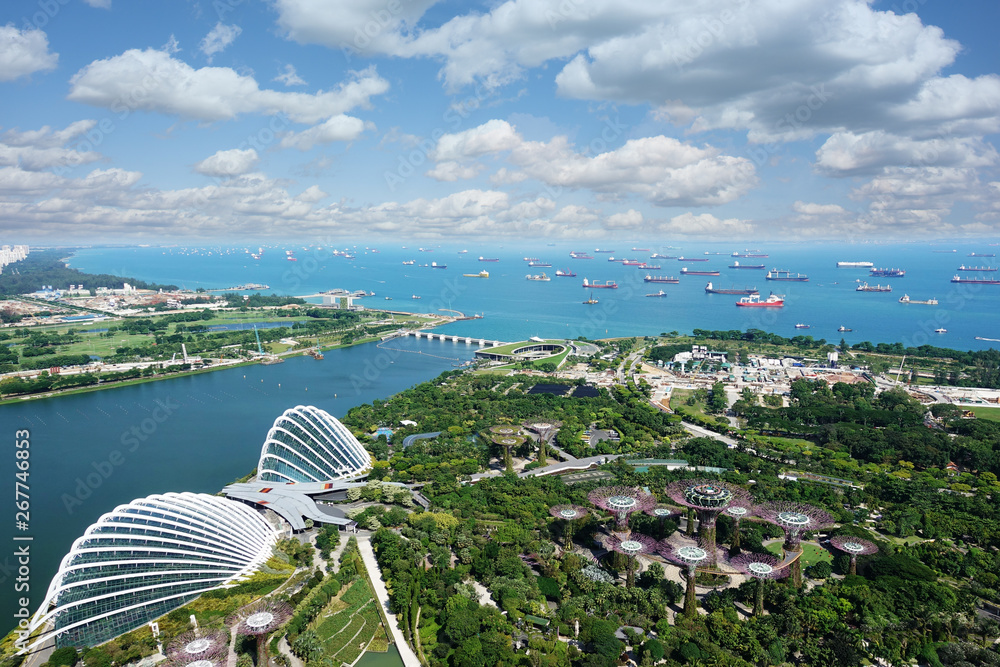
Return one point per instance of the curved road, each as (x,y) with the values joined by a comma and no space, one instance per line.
(410,439)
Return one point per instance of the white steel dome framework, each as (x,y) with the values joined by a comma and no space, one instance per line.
(307,444)
(148,557)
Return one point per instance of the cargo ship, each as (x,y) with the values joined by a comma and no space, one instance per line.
(754,301)
(660,279)
(599,285)
(596,250)
(787,276)
(906,299)
(692,259)
(488,259)
(540,265)
(737,265)
(802,326)
(580,255)
(855,265)
(661,293)
(560,273)
(709,289)
(633,262)
(976,268)
(409,262)
(749,253)
(982,254)
(887,273)
(975,281)
(435,265)
(539,276)
(686,272)
(844,329)
(650,267)
(481,274)
(531,259)
(865,287)
(640,249)
(613,259)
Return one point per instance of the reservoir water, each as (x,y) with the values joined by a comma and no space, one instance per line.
(91,452)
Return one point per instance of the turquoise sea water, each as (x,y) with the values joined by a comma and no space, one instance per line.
(515,308)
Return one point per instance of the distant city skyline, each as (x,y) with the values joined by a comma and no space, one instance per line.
(434,122)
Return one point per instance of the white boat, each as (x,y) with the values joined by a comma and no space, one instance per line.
(940,331)
(928,302)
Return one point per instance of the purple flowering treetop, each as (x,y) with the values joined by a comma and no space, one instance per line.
(622,501)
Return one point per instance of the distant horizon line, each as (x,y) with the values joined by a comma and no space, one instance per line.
(448,243)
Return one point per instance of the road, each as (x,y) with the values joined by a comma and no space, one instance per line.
(410,439)
(705,433)
(368,557)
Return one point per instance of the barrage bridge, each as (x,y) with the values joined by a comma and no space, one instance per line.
(430,335)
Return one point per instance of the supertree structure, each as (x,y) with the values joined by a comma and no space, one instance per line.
(737,512)
(760,567)
(570,514)
(662,512)
(854,547)
(622,501)
(544,430)
(634,545)
(794,519)
(259,619)
(688,554)
(708,498)
(198,649)
(508,438)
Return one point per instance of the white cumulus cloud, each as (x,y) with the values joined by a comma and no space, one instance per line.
(338,128)
(152,80)
(226,164)
(24,52)
(662,170)
(630,219)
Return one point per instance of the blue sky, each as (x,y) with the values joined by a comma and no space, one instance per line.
(560,119)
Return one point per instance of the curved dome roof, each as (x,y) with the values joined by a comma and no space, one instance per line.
(307,444)
(147,557)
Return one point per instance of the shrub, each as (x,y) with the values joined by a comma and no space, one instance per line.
(66,655)
(820,570)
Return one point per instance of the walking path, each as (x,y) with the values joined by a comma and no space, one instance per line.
(368,557)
